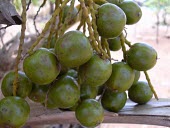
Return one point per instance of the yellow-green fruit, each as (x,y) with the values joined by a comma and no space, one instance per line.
(73,49)
(110,20)
(64,93)
(24,84)
(41,67)
(14,112)
(95,72)
(114,44)
(113,101)
(122,77)
(140,92)
(132,10)
(89,113)
(141,57)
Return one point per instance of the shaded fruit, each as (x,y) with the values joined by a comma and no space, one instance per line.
(64,93)
(113,101)
(114,44)
(73,49)
(95,72)
(38,93)
(89,113)
(140,92)
(101,89)
(122,77)
(73,14)
(88,92)
(14,112)
(24,84)
(110,20)
(73,73)
(132,10)
(137,76)
(117,2)
(41,67)
(141,57)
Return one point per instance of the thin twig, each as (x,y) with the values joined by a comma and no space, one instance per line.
(28,5)
(44,2)
(23,28)
(5,27)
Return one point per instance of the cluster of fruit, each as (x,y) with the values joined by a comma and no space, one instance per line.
(73,73)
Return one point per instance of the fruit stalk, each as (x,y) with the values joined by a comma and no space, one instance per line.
(94,26)
(122,40)
(128,42)
(47,26)
(67,20)
(150,85)
(91,34)
(23,28)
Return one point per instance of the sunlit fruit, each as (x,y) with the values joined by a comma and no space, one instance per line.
(89,113)
(24,84)
(110,21)
(41,67)
(140,92)
(14,112)
(141,57)
(73,49)
(95,72)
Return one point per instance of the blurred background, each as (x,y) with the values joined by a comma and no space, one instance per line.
(153,28)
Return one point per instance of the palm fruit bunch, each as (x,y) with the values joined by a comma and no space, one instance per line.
(75,70)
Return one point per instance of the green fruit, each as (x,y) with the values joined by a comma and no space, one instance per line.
(114,44)
(38,93)
(113,101)
(73,73)
(64,93)
(73,49)
(95,72)
(110,20)
(41,67)
(132,10)
(90,113)
(88,92)
(24,84)
(122,77)
(140,92)
(65,13)
(137,76)
(14,112)
(117,2)
(141,57)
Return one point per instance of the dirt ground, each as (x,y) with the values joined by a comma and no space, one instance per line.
(145,31)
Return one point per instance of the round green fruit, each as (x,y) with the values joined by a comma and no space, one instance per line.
(64,93)
(132,10)
(65,12)
(114,44)
(41,67)
(122,77)
(38,93)
(113,101)
(73,49)
(95,72)
(24,84)
(14,112)
(110,20)
(140,92)
(73,73)
(89,113)
(88,92)
(141,57)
